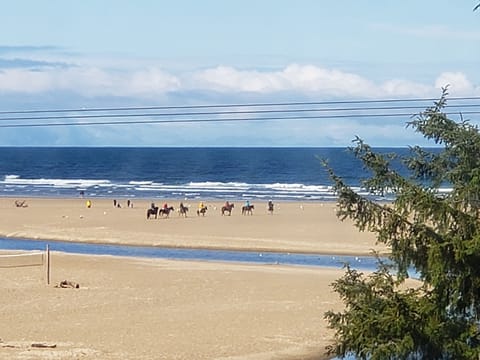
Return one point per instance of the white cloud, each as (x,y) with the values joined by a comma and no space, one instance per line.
(299,78)
(225,78)
(327,81)
(88,81)
(20,80)
(318,81)
(305,80)
(458,84)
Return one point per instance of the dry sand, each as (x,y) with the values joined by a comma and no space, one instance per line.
(294,227)
(128,308)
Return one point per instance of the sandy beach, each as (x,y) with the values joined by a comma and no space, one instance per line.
(131,308)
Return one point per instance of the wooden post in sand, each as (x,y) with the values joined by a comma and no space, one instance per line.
(47,263)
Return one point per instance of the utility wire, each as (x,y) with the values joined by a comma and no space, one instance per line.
(305,103)
(176,114)
(354,111)
(178,121)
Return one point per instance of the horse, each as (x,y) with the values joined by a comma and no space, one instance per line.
(227,208)
(182,210)
(202,211)
(270,207)
(247,210)
(165,211)
(153,211)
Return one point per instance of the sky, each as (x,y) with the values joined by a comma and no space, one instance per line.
(117,54)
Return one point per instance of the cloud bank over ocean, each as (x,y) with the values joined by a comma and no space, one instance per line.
(36,75)
(39,78)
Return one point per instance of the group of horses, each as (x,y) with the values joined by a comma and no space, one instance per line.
(156,212)
(246,209)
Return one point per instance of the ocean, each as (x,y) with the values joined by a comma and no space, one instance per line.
(257,174)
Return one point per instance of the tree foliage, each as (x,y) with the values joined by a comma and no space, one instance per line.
(436,233)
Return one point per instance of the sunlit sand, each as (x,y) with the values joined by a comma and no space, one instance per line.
(131,308)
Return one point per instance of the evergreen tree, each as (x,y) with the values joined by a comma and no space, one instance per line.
(436,233)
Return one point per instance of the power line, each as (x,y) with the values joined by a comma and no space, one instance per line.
(304,103)
(225,113)
(238,112)
(179,121)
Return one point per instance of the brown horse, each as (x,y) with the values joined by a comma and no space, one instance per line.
(227,208)
(247,210)
(165,211)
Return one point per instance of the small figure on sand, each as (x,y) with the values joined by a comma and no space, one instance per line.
(21,203)
(153,211)
(270,207)
(202,209)
(227,208)
(247,208)
(89,204)
(182,210)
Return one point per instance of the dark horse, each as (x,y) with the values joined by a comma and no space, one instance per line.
(182,210)
(153,211)
(202,211)
(247,210)
(270,207)
(165,211)
(227,208)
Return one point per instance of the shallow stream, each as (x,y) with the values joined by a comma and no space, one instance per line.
(335,261)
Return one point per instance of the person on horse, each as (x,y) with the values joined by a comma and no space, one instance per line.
(270,206)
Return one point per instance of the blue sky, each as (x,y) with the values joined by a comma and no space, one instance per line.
(97,54)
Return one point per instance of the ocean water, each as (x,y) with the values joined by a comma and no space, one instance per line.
(190,173)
